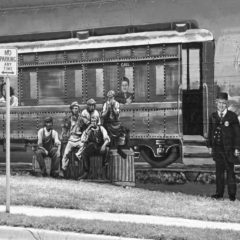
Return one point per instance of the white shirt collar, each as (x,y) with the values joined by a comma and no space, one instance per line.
(223,113)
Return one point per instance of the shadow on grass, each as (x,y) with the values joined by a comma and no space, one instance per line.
(193,189)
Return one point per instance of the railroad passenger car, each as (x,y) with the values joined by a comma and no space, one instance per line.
(170,67)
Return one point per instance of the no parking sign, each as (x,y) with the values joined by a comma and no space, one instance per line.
(8,67)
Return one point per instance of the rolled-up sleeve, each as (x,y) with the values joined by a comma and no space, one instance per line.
(56,138)
(40,137)
(105,134)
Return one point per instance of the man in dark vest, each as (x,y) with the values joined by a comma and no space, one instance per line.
(48,145)
(224,144)
(94,141)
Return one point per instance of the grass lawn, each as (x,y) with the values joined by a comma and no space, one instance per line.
(46,192)
(117,229)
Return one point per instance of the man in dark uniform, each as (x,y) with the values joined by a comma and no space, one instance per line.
(48,145)
(224,144)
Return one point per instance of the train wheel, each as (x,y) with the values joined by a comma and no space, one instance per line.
(158,162)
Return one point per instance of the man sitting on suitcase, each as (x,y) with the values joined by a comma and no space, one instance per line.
(48,145)
(94,141)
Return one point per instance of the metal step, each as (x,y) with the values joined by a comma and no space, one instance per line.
(194,140)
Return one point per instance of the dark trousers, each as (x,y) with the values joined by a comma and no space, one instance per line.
(90,150)
(40,153)
(222,165)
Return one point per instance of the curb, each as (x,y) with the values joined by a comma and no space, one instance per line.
(121,217)
(20,233)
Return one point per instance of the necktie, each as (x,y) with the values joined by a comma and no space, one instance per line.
(221,117)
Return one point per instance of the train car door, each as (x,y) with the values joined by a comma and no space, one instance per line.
(192,98)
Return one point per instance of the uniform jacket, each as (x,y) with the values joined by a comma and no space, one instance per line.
(230,133)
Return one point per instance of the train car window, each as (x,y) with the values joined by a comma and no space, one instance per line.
(33,85)
(140,82)
(74,85)
(156,83)
(99,83)
(78,83)
(51,86)
(184,69)
(172,80)
(111,78)
(95,83)
(125,92)
(194,68)
(29,86)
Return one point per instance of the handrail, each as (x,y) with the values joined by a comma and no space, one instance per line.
(178,106)
(207,112)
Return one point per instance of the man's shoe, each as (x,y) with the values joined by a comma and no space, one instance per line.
(44,174)
(84,176)
(216,196)
(232,198)
(61,174)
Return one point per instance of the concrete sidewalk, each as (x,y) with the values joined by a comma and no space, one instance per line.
(120,217)
(20,233)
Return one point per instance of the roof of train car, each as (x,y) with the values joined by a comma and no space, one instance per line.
(122,40)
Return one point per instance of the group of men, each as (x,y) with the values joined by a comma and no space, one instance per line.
(87,133)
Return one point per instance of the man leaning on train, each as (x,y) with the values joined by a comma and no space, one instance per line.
(224,144)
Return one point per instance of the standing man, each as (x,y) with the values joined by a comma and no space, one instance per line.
(224,144)
(124,97)
(72,131)
(94,141)
(89,112)
(48,145)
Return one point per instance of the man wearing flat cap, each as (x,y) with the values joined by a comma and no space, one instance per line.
(71,133)
(224,143)
(48,145)
(90,112)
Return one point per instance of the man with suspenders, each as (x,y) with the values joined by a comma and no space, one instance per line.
(48,145)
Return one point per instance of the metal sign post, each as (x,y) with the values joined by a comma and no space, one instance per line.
(8,67)
(7,144)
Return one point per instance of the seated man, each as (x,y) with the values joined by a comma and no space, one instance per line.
(94,141)
(110,115)
(48,145)
(72,132)
(88,113)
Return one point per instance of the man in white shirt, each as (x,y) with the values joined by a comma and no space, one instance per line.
(48,145)
(72,131)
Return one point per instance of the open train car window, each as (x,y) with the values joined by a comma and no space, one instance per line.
(51,86)
(191,70)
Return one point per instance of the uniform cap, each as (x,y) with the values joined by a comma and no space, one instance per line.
(73,104)
(48,119)
(91,101)
(111,93)
(222,95)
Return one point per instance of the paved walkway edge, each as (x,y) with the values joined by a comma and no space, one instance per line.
(120,217)
(21,233)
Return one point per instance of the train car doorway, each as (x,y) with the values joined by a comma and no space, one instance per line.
(192,94)
(192,107)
